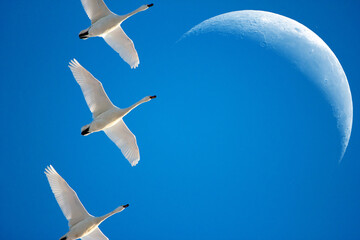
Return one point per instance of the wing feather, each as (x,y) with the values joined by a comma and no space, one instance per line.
(66,197)
(125,140)
(122,44)
(95,9)
(95,235)
(93,91)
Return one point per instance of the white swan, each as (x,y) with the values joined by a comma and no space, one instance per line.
(106,24)
(107,117)
(81,223)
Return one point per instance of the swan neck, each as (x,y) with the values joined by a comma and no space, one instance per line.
(103,218)
(126,16)
(127,110)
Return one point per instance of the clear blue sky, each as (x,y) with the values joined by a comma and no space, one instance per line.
(238,144)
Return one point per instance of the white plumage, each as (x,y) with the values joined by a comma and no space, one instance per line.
(95,9)
(106,24)
(122,44)
(81,223)
(125,140)
(106,116)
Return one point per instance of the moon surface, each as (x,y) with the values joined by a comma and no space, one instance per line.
(301,46)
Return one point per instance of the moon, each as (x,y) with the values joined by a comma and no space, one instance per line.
(301,46)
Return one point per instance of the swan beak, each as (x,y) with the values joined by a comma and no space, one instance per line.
(125,206)
(151,97)
(150,5)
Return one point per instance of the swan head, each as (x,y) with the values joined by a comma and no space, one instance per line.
(121,208)
(146,6)
(148,98)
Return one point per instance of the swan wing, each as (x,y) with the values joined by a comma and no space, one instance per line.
(95,9)
(93,91)
(122,44)
(66,197)
(95,235)
(125,140)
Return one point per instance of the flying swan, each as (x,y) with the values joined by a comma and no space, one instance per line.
(107,117)
(81,223)
(106,24)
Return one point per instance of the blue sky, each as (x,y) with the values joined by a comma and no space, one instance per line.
(238,144)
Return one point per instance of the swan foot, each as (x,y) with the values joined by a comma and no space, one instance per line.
(85,132)
(84,35)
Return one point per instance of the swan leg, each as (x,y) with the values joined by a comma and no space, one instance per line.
(85,130)
(84,35)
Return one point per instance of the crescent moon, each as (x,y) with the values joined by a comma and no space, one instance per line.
(301,46)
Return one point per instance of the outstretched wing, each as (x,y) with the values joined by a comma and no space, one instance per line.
(93,91)
(125,140)
(95,9)
(122,44)
(66,197)
(95,235)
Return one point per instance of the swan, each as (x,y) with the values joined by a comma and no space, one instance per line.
(106,24)
(106,116)
(81,223)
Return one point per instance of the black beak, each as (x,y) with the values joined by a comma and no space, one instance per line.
(125,206)
(151,97)
(150,5)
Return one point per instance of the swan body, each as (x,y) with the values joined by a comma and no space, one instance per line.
(81,223)
(106,24)
(106,116)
